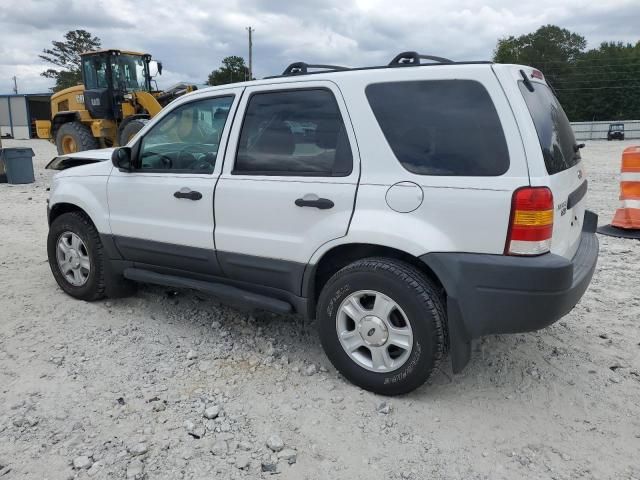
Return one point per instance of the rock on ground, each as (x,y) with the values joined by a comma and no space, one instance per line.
(275,443)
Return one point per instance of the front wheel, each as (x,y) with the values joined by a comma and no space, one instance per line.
(76,256)
(382,325)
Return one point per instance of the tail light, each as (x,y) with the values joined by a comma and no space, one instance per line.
(531,222)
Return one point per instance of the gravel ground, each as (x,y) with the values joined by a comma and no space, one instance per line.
(171,384)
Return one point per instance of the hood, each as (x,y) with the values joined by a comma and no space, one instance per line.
(95,169)
(62,162)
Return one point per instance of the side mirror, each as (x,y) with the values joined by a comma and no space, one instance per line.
(121,158)
(159,68)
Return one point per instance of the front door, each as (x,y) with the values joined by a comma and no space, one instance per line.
(161,214)
(288,184)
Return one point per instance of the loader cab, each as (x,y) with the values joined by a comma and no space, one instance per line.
(110,75)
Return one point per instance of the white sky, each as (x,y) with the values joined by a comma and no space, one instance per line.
(192,36)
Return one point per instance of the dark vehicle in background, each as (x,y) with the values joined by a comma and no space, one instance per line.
(616,131)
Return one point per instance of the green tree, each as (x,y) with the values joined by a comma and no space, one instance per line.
(66,55)
(598,84)
(233,70)
(603,84)
(548,44)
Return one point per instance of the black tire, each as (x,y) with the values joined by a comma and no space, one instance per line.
(130,129)
(79,133)
(418,297)
(78,223)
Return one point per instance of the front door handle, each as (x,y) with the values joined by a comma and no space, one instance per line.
(313,201)
(188,194)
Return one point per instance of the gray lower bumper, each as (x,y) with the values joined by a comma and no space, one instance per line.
(489,294)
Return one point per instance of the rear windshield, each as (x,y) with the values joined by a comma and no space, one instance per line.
(554,131)
(441,127)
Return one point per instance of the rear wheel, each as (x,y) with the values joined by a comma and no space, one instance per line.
(75,137)
(130,129)
(381,323)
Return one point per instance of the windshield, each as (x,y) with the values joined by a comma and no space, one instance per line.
(129,73)
(555,134)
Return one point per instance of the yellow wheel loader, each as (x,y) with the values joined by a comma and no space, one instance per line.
(113,104)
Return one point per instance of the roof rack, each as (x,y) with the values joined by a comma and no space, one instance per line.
(406,59)
(302,68)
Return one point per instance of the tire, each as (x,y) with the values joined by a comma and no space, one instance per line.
(76,223)
(130,129)
(75,137)
(419,302)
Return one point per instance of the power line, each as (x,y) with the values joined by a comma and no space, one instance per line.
(603,80)
(569,66)
(589,75)
(583,59)
(621,87)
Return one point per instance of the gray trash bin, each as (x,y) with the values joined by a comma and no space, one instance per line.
(16,165)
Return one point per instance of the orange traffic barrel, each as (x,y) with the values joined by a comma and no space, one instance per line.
(626,221)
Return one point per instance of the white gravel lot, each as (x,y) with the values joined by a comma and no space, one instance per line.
(120,388)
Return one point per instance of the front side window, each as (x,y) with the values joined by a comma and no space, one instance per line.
(441,127)
(293,132)
(186,140)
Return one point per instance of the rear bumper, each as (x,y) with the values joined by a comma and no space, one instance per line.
(489,294)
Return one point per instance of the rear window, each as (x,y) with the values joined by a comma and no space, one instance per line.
(441,127)
(554,130)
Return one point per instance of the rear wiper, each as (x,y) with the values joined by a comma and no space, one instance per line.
(578,146)
(526,81)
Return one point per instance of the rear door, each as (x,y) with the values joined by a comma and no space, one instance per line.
(552,152)
(288,184)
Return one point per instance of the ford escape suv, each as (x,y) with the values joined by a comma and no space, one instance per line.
(408,208)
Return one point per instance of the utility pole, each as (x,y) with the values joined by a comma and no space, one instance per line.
(15,85)
(250,30)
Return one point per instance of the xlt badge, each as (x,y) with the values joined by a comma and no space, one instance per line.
(562,208)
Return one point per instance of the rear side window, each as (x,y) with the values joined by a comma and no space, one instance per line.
(441,127)
(293,132)
(554,130)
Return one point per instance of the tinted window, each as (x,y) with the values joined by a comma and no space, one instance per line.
(186,140)
(441,127)
(554,130)
(295,132)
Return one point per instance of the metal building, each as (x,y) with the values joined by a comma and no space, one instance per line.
(18,114)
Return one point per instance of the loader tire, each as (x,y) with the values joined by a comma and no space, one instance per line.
(130,129)
(75,137)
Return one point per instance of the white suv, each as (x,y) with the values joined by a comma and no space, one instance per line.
(409,208)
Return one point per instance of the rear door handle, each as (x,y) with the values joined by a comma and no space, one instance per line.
(188,194)
(309,201)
